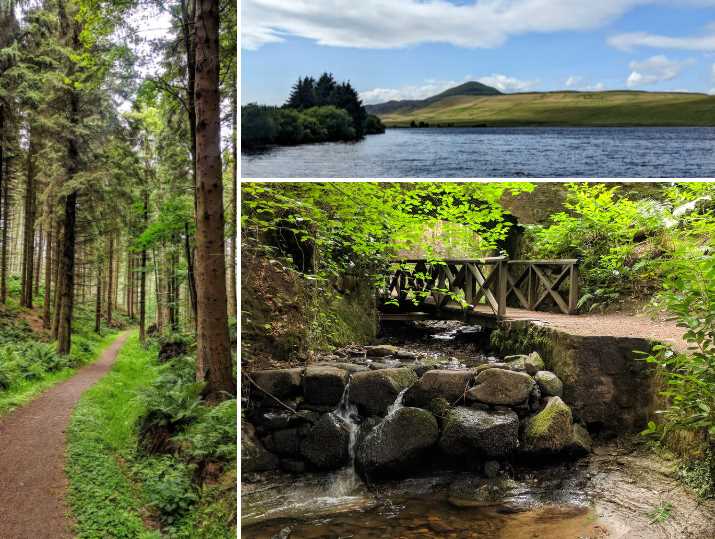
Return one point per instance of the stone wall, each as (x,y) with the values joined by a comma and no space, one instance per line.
(608,388)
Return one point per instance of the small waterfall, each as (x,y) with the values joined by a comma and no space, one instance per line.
(345,481)
(397,404)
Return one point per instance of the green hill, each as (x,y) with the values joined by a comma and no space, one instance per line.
(612,108)
(468,88)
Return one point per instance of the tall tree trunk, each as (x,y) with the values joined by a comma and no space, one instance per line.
(190,270)
(71,31)
(48,278)
(58,281)
(6,192)
(28,262)
(110,280)
(66,306)
(142,282)
(98,304)
(38,258)
(213,361)
(233,296)
(157,288)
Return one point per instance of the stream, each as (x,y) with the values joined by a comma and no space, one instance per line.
(620,490)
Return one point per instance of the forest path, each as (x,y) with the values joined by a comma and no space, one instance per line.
(33,483)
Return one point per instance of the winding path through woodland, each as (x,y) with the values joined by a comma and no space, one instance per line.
(32,456)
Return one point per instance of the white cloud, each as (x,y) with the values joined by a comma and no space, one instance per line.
(502,83)
(577,82)
(653,70)
(630,41)
(400,23)
(430,88)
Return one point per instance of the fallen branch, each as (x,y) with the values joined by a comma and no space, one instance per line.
(271,395)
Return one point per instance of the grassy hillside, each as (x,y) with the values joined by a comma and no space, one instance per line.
(618,108)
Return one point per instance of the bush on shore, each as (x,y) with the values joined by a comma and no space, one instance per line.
(263,125)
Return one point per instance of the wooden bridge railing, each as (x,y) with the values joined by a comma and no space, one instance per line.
(492,281)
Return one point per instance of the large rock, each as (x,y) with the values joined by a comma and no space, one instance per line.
(447,384)
(549,384)
(468,431)
(327,444)
(254,457)
(397,444)
(530,363)
(551,430)
(581,442)
(350,367)
(281,383)
(374,391)
(285,443)
(324,385)
(501,387)
(382,350)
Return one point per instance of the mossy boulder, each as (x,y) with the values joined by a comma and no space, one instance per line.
(501,387)
(397,444)
(469,431)
(445,383)
(485,366)
(581,443)
(551,430)
(324,385)
(374,391)
(281,383)
(529,363)
(549,384)
(327,444)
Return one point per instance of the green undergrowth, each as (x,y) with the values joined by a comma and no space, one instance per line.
(147,458)
(29,366)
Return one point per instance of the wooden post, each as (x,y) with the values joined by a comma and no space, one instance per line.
(573,289)
(468,284)
(501,287)
(533,287)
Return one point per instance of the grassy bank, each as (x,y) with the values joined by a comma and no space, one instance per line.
(578,109)
(119,490)
(28,367)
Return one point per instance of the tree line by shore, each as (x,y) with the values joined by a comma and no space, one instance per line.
(321,110)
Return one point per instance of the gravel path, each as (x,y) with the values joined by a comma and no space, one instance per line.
(32,457)
(615,325)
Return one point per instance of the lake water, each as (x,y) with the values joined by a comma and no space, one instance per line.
(628,152)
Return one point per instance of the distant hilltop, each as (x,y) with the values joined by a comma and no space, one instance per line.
(478,105)
(468,88)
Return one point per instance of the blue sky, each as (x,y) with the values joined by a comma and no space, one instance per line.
(392,49)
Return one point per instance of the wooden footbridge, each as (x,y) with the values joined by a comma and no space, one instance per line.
(422,288)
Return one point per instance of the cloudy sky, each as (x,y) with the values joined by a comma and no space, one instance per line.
(402,49)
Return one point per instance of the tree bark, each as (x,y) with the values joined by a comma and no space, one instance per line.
(213,364)
(98,304)
(48,278)
(5,226)
(28,259)
(110,280)
(233,296)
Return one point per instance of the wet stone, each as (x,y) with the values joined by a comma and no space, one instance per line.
(324,385)
(498,386)
(281,383)
(327,444)
(469,432)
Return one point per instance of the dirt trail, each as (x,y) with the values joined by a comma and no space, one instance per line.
(32,457)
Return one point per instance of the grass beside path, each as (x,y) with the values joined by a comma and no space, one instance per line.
(23,390)
(101,439)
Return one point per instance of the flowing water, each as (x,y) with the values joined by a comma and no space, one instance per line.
(593,152)
(345,481)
